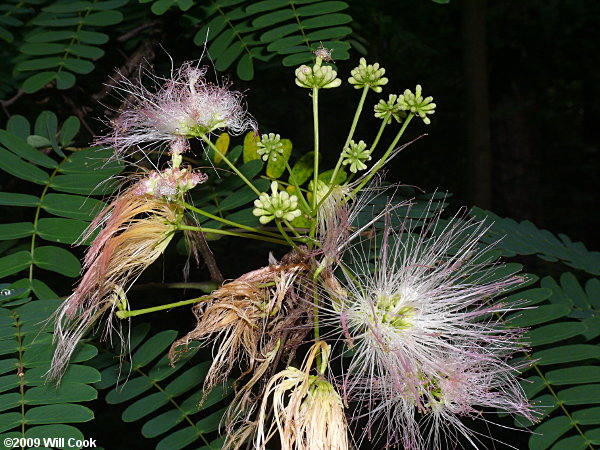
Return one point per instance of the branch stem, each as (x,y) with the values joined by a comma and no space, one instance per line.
(124,314)
(359,109)
(229,163)
(384,158)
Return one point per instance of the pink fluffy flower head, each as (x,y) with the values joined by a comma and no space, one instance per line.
(184,106)
(416,309)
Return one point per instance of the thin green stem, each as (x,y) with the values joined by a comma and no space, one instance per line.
(184,413)
(229,163)
(315,102)
(379,134)
(225,221)
(286,236)
(384,158)
(359,109)
(292,229)
(37,216)
(232,233)
(296,186)
(124,314)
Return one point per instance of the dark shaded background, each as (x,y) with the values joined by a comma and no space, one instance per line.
(538,128)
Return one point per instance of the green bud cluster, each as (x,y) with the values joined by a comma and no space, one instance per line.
(370,75)
(416,104)
(278,205)
(270,146)
(389,109)
(356,155)
(318,76)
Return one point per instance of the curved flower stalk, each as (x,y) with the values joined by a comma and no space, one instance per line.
(184,106)
(313,417)
(135,229)
(426,346)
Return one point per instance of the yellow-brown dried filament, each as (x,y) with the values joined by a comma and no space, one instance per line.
(134,231)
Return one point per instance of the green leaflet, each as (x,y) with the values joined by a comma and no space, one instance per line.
(154,383)
(63,44)
(27,347)
(246,31)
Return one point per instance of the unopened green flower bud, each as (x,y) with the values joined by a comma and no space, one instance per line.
(416,104)
(368,76)
(270,146)
(390,109)
(318,76)
(278,205)
(356,155)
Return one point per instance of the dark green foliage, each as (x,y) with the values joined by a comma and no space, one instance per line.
(14,12)
(167,399)
(60,40)
(564,377)
(62,207)
(63,41)
(526,239)
(242,31)
(28,403)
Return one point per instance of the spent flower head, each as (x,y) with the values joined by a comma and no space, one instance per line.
(277,205)
(356,154)
(270,146)
(318,76)
(389,109)
(416,104)
(368,75)
(309,413)
(134,230)
(323,53)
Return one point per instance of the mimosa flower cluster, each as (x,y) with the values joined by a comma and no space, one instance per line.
(371,323)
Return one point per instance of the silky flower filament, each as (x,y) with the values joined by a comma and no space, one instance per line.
(413,299)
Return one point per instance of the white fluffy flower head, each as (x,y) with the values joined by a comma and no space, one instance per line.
(415,293)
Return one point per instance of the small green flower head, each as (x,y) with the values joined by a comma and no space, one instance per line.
(416,104)
(356,155)
(278,205)
(386,110)
(270,146)
(318,76)
(368,75)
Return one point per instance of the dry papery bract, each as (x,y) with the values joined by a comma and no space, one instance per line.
(252,321)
